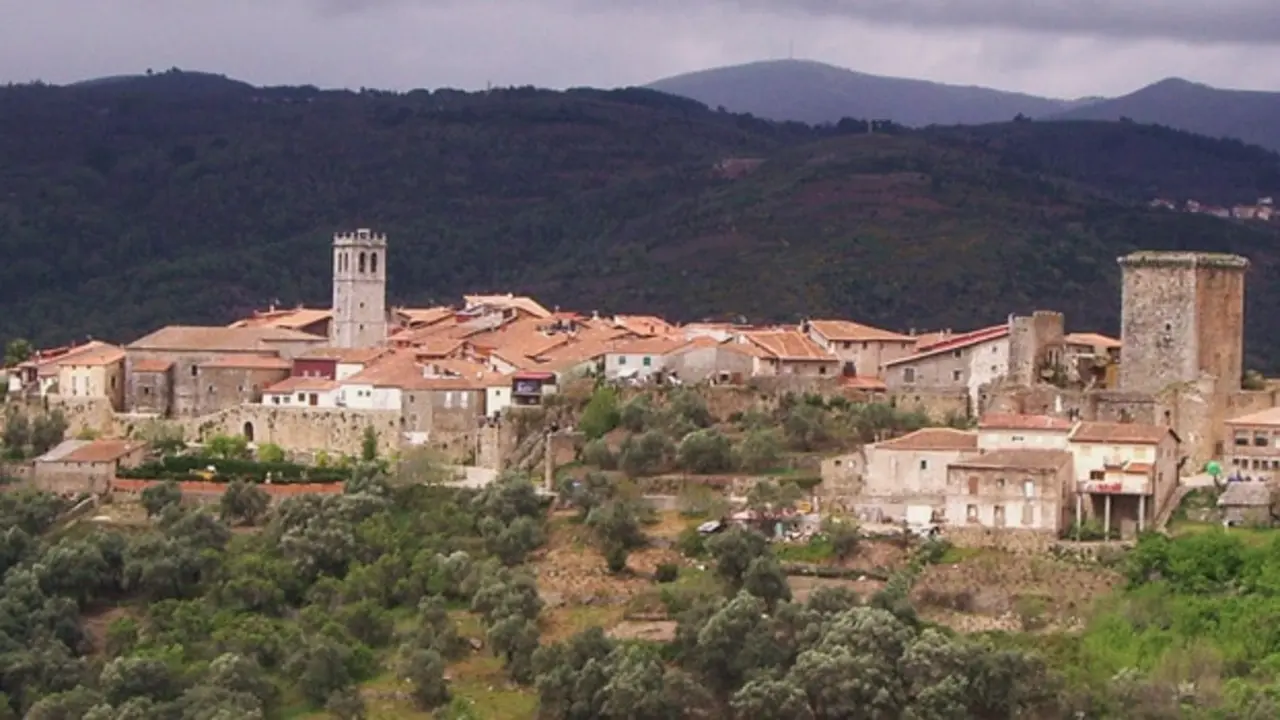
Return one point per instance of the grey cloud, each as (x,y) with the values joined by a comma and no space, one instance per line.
(1192,21)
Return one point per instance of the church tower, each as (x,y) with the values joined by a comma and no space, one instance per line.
(359,290)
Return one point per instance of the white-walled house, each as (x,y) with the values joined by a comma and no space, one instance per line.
(1125,472)
(961,362)
(640,358)
(1007,431)
(300,391)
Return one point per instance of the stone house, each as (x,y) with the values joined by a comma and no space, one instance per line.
(97,372)
(86,466)
(706,359)
(1246,503)
(185,349)
(1252,451)
(790,352)
(232,380)
(861,349)
(962,362)
(1011,489)
(1009,431)
(1125,473)
(906,477)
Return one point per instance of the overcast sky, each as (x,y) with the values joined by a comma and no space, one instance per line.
(1063,48)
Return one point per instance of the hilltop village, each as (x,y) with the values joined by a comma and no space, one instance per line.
(1032,429)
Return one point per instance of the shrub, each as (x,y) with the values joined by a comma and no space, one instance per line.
(666,573)
(601,414)
(760,450)
(270,453)
(597,452)
(691,543)
(705,452)
(645,454)
(636,414)
(696,500)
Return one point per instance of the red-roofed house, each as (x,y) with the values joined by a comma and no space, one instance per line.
(791,352)
(862,349)
(1008,431)
(962,362)
(642,357)
(707,359)
(302,391)
(1126,472)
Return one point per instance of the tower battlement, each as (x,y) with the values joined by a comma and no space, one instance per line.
(363,236)
(1183,260)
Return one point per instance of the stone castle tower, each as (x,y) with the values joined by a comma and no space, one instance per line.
(359,290)
(1182,317)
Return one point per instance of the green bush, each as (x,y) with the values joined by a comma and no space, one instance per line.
(188,467)
(666,573)
(597,452)
(601,414)
(704,452)
(691,543)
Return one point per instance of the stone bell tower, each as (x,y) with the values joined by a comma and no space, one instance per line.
(359,289)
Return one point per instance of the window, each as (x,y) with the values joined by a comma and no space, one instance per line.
(973,484)
(1028,489)
(822,369)
(955,375)
(1000,483)
(362,262)
(146,391)
(462,399)
(448,399)
(373,262)
(1260,439)
(865,345)
(1097,475)
(998,512)
(994,349)
(1018,438)
(956,353)
(194,370)
(648,361)
(971,513)
(622,359)
(1028,515)
(301,397)
(1242,439)
(924,464)
(908,375)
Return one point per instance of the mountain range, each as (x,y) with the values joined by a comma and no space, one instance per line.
(813,92)
(131,204)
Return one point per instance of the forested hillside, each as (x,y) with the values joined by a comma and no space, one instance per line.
(176,198)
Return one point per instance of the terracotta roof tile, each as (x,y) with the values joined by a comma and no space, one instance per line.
(1016,460)
(659,345)
(247,362)
(100,354)
(516,302)
(789,345)
(101,451)
(294,318)
(150,365)
(354,356)
(1119,433)
(421,317)
(863,382)
(218,339)
(1012,421)
(955,342)
(1270,416)
(1092,340)
(848,331)
(643,324)
(933,439)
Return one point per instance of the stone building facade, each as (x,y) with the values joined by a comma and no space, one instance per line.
(359,290)
(1182,316)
